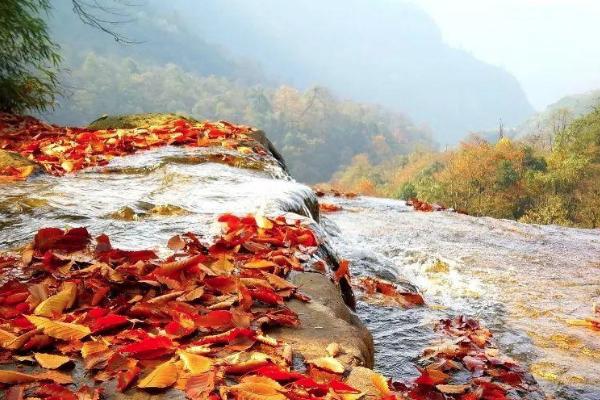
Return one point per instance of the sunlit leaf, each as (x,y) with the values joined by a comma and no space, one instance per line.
(59,330)
(194,363)
(328,364)
(51,361)
(55,305)
(163,376)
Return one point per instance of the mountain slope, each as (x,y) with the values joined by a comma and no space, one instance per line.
(390,53)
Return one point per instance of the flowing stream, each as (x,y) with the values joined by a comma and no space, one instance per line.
(523,281)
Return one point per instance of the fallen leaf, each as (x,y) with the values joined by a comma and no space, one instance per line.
(51,361)
(55,305)
(163,376)
(452,389)
(59,330)
(194,363)
(14,377)
(328,364)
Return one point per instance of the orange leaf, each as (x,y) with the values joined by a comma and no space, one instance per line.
(342,271)
(194,363)
(163,376)
(51,361)
(14,377)
(260,264)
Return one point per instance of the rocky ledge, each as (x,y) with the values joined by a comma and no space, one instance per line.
(327,340)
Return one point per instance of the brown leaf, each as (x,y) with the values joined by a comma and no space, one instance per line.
(452,389)
(176,243)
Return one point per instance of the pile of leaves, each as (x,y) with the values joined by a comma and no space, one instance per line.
(322,191)
(329,207)
(62,149)
(382,292)
(463,365)
(195,321)
(424,206)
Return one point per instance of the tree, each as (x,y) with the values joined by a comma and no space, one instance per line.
(29,58)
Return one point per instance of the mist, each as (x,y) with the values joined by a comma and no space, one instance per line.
(442,73)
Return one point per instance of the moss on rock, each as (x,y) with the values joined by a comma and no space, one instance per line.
(10,159)
(130,121)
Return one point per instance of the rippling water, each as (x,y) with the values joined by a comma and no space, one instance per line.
(142,200)
(523,281)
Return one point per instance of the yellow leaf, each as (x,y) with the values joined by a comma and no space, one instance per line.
(59,330)
(351,396)
(194,363)
(263,222)
(67,165)
(333,349)
(14,377)
(579,322)
(24,172)
(223,266)
(258,388)
(163,376)
(90,348)
(381,384)
(258,264)
(51,361)
(55,305)
(18,341)
(245,150)
(328,364)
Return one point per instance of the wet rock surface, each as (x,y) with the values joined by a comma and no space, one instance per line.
(143,199)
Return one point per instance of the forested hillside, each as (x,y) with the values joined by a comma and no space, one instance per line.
(390,53)
(506,179)
(316,131)
(541,128)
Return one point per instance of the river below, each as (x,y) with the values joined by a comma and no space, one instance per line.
(525,282)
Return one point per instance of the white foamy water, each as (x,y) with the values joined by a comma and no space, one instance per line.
(524,282)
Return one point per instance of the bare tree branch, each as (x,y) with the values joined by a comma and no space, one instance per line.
(105,18)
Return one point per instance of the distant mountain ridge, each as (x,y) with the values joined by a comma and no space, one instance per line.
(391,53)
(541,127)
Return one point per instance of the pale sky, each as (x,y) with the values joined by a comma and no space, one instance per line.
(551,46)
